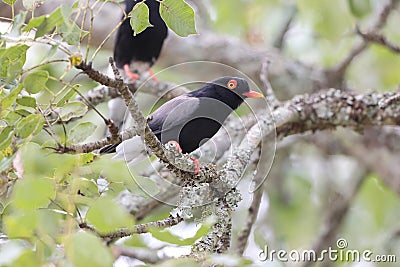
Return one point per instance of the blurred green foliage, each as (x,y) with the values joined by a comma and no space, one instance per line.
(45,195)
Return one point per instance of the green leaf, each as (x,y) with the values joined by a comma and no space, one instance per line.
(167,236)
(36,222)
(84,249)
(10,98)
(32,124)
(107,215)
(38,162)
(72,110)
(35,82)
(28,258)
(116,172)
(12,60)
(178,16)
(18,22)
(71,33)
(66,11)
(184,262)
(86,158)
(46,23)
(12,117)
(53,50)
(33,193)
(234,260)
(22,112)
(34,23)
(85,187)
(10,2)
(27,101)
(67,96)
(81,132)
(5,137)
(360,8)
(139,18)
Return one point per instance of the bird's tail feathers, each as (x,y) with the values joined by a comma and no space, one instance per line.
(108,149)
(132,150)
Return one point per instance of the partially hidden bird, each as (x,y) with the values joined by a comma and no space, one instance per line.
(136,53)
(190,119)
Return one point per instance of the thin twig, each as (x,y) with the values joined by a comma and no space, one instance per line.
(252,215)
(374,37)
(279,42)
(137,229)
(269,92)
(334,76)
(257,191)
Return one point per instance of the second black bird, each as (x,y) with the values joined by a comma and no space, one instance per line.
(139,52)
(135,54)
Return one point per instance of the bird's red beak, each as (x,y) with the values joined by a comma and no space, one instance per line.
(253,94)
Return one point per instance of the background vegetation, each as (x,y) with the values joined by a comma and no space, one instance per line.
(58,208)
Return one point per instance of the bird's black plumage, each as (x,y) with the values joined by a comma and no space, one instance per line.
(144,47)
(196,116)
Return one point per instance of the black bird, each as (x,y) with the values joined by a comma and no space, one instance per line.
(138,53)
(192,118)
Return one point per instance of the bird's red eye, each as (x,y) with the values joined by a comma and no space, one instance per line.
(232,84)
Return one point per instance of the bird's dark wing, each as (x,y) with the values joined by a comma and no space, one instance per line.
(174,113)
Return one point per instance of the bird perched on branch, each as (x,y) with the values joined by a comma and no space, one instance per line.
(137,53)
(190,119)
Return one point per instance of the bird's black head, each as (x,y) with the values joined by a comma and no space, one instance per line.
(230,90)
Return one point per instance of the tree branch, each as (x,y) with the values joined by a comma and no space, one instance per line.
(279,41)
(181,163)
(269,91)
(252,216)
(374,37)
(334,76)
(138,229)
(334,108)
(142,254)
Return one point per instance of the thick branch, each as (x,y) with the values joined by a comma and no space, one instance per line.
(212,151)
(335,108)
(321,111)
